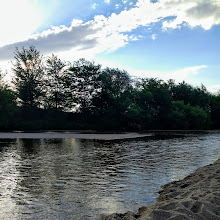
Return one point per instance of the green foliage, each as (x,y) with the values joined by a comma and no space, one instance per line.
(155,101)
(195,96)
(188,117)
(215,110)
(197,117)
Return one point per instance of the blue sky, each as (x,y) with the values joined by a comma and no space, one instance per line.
(166,39)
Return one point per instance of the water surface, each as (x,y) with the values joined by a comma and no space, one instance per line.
(82,179)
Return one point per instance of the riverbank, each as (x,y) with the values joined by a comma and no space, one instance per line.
(196,197)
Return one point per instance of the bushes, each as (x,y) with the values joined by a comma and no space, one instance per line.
(188,117)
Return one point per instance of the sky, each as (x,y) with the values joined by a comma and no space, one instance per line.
(164,39)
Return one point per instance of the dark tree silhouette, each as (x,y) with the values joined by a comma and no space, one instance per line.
(56,91)
(29,74)
(7,103)
(82,80)
(113,100)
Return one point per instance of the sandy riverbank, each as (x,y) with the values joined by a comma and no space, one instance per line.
(196,197)
(58,135)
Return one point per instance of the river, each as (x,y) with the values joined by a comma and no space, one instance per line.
(82,179)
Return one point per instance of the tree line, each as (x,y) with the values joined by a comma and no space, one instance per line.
(49,93)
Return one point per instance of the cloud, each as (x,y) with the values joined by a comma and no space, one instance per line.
(214,88)
(94,6)
(133,38)
(90,37)
(106,34)
(203,13)
(56,39)
(153,36)
(107,1)
(117,6)
(178,75)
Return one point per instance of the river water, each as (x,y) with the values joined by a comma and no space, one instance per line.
(76,179)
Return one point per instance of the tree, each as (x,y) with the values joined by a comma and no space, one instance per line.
(201,97)
(155,99)
(140,111)
(56,94)
(215,110)
(7,103)
(114,97)
(29,76)
(182,92)
(82,80)
(188,117)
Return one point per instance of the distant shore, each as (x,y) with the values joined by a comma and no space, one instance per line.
(196,197)
(77,135)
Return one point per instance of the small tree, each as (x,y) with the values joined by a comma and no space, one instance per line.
(114,98)
(56,96)
(82,80)
(29,71)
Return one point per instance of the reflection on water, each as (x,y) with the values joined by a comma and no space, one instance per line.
(82,179)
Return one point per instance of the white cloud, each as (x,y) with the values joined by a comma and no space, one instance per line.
(178,75)
(94,5)
(57,39)
(204,13)
(117,6)
(184,73)
(214,88)
(153,36)
(107,1)
(133,38)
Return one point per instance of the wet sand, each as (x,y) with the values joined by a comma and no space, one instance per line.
(58,135)
(196,197)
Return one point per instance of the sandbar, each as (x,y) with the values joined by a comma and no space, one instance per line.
(196,197)
(76,135)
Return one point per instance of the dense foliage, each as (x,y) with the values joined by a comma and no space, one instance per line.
(48,93)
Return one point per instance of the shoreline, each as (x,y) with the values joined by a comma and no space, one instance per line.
(196,197)
(75,135)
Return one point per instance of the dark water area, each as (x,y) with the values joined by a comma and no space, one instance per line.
(83,179)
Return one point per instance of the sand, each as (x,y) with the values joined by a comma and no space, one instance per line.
(76,135)
(195,197)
